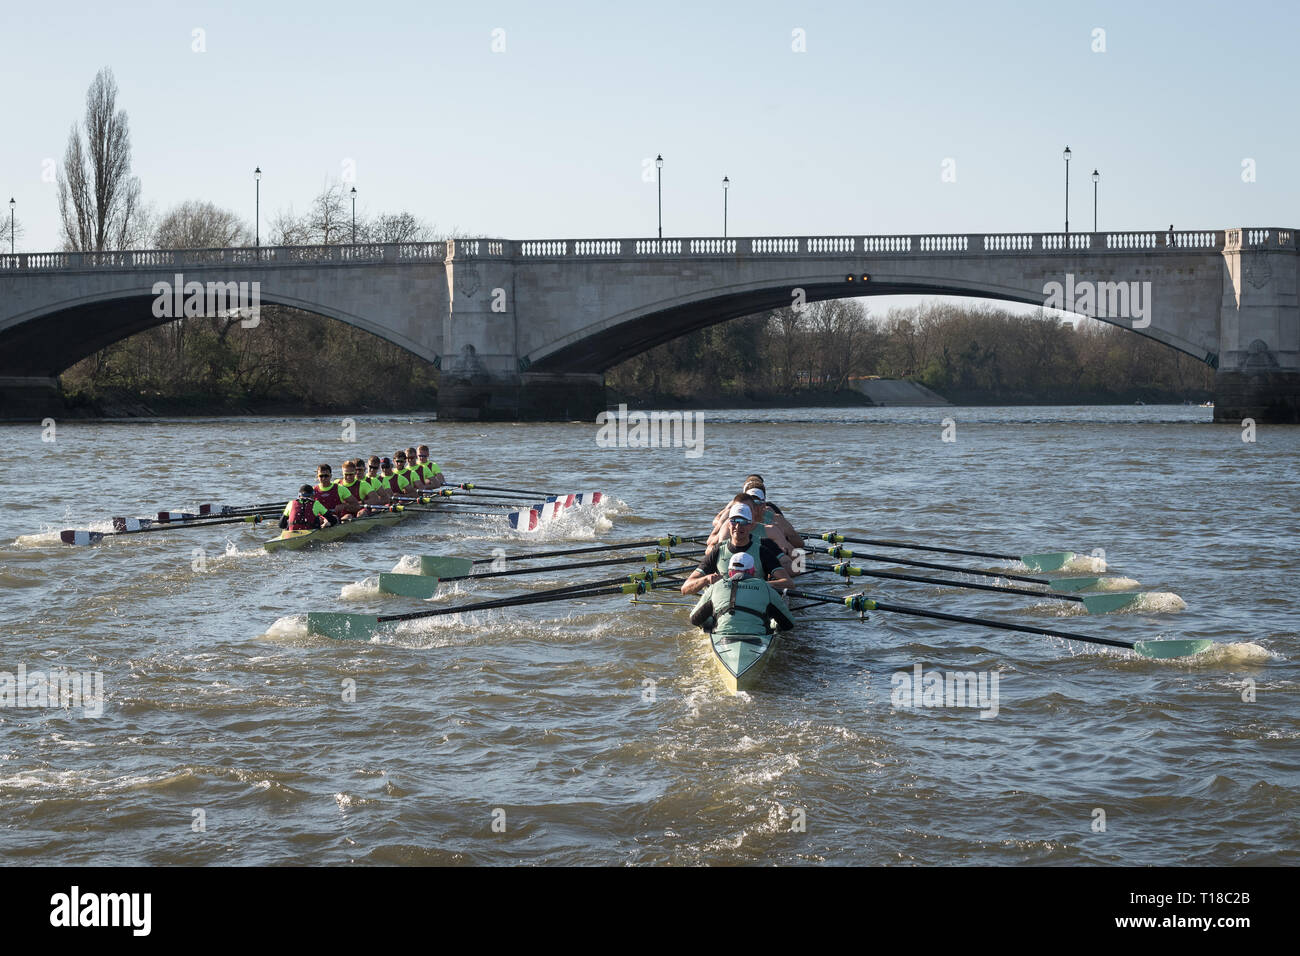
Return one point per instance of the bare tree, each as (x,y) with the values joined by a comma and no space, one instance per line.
(5,231)
(99,199)
(396,227)
(200,225)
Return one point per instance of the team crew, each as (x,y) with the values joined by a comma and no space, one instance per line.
(739,538)
(366,486)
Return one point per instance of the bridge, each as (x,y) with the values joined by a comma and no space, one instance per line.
(526,328)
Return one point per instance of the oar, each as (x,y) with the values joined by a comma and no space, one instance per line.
(94,537)
(1155,649)
(1060,584)
(471,485)
(1050,561)
(363,626)
(447,565)
(180,517)
(424,586)
(1092,603)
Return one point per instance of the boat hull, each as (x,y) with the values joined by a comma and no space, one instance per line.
(742,659)
(296,540)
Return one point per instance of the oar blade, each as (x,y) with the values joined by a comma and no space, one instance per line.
(1163,650)
(1108,603)
(81,537)
(436,566)
(1051,561)
(1075,584)
(408,585)
(342,627)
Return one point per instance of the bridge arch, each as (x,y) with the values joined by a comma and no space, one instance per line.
(52,339)
(609,340)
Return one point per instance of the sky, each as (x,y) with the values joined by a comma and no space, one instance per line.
(531,120)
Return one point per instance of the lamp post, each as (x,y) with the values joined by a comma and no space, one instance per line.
(354,215)
(1096,178)
(1066,154)
(11,224)
(257,228)
(726,184)
(659,180)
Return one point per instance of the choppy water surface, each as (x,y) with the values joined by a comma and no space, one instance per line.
(596,729)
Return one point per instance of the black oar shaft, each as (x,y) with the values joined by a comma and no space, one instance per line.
(177,525)
(962,619)
(535,597)
(474,485)
(666,541)
(920,547)
(635,559)
(922,579)
(890,559)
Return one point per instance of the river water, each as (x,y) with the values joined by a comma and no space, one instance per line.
(596,731)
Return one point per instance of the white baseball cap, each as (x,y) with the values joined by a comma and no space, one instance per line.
(757,493)
(740,511)
(740,563)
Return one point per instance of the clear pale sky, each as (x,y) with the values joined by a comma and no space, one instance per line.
(547,139)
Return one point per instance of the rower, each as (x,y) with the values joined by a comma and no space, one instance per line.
(429,469)
(397,484)
(349,490)
(774,516)
(327,491)
(413,472)
(374,489)
(306,513)
(740,537)
(741,604)
(761,529)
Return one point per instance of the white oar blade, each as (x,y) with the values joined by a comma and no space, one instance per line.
(81,537)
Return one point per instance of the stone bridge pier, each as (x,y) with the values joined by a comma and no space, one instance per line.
(484,376)
(1259,330)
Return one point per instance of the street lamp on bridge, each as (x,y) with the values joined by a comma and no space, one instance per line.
(659,181)
(257,218)
(726,184)
(11,223)
(1096,178)
(1067,154)
(354,215)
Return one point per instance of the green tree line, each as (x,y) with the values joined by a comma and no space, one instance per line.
(969,353)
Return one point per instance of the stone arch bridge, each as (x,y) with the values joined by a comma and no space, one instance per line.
(526,328)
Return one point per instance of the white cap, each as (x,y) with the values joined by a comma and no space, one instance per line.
(741,511)
(740,563)
(756,492)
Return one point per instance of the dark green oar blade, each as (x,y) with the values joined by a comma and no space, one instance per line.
(1075,584)
(408,585)
(1115,601)
(1052,561)
(1163,650)
(438,567)
(342,627)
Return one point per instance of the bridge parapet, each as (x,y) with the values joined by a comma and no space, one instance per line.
(242,256)
(947,244)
